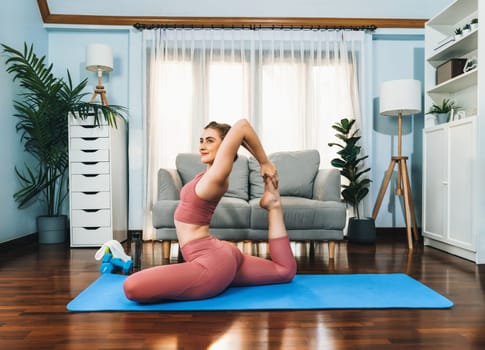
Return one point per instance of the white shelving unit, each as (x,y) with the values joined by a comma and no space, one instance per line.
(97,182)
(452,190)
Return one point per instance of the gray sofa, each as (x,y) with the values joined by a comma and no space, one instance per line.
(312,208)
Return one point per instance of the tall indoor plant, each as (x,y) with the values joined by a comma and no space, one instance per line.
(354,190)
(42,109)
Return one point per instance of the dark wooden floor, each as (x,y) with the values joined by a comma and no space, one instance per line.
(36,283)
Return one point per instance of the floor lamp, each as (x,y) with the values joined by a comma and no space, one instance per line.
(398,98)
(99,58)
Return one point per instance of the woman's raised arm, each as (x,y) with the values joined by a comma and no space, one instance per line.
(241,133)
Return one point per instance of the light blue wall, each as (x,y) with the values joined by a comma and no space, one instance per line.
(396,54)
(19,21)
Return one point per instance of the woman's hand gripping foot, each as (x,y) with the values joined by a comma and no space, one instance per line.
(271,196)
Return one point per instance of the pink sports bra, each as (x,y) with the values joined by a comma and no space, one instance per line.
(192,209)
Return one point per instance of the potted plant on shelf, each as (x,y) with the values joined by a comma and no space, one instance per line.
(442,111)
(474,23)
(467,29)
(360,229)
(458,33)
(42,109)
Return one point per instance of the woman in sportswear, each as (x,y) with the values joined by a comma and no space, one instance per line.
(212,265)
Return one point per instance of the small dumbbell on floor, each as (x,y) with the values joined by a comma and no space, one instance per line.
(113,258)
(110,264)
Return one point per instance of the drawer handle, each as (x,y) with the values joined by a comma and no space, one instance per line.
(90,193)
(91,210)
(89,163)
(89,150)
(89,138)
(90,175)
(88,126)
(92,228)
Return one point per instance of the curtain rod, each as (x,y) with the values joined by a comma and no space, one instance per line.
(142,26)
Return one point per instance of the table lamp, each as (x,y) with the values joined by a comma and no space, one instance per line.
(99,58)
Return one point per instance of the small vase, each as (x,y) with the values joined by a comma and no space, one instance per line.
(442,118)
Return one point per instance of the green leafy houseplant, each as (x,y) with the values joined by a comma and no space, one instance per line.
(442,111)
(445,107)
(351,164)
(42,109)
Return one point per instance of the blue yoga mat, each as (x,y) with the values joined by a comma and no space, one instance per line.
(346,291)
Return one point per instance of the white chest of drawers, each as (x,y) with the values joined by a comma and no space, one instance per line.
(98,188)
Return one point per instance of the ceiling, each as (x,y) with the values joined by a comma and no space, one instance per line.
(382,13)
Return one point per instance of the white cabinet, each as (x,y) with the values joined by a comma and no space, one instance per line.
(97,182)
(452,190)
(435,182)
(448,187)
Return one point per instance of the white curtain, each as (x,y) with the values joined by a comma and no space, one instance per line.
(291,84)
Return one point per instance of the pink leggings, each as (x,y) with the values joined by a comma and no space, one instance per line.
(211,266)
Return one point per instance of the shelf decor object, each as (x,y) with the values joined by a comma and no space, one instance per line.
(398,98)
(99,58)
(450,69)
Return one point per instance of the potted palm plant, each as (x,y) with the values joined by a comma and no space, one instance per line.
(360,229)
(42,109)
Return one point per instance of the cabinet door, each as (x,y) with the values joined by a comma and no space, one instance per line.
(461,187)
(435,182)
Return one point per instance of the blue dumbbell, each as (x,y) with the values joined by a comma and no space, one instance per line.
(110,264)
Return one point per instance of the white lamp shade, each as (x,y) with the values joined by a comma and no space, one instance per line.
(400,96)
(99,57)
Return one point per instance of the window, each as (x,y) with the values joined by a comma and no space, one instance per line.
(291,99)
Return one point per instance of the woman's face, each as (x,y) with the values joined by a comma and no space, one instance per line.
(209,143)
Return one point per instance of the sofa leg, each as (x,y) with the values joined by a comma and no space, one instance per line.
(166,249)
(331,250)
(248,247)
(312,249)
(255,248)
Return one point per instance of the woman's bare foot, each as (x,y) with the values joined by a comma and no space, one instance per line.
(271,196)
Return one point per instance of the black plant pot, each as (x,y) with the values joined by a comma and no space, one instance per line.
(361,230)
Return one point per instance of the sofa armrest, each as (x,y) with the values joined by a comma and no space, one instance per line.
(326,186)
(169,184)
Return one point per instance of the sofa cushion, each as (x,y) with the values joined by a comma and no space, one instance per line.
(238,180)
(296,170)
(302,213)
(231,213)
(167,188)
(189,164)
(162,213)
